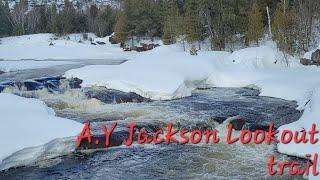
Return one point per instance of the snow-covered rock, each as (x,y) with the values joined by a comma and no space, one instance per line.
(27,123)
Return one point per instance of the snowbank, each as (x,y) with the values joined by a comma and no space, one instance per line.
(7,66)
(73,46)
(29,122)
(265,56)
(159,74)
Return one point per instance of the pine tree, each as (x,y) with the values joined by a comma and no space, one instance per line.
(104,22)
(120,28)
(255,25)
(171,23)
(283,28)
(193,27)
(5,26)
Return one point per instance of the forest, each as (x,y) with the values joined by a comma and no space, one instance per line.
(292,24)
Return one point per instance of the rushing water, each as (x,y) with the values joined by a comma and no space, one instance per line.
(201,110)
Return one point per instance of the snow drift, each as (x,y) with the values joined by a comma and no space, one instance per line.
(28,123)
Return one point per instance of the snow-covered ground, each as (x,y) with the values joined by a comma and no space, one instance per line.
(7,66)
(74,46)
(29,123)
(167,72)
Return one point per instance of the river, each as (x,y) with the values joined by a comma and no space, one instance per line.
(201,111)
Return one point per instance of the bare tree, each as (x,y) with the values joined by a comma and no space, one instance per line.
(18,17)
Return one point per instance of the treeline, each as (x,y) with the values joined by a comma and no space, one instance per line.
(21,20)
(290,23)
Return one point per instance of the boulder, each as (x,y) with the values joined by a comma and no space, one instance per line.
(75,83)
(237,122)
(1,72)
(219,119)
(316,56)
(305,61)
(2,88)
(112,40)
(100,42)
(114,96)
(99,141)
(32,85)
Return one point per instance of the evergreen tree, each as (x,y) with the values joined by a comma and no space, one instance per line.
(92,15)
(255,25)
(104,22)
(283,28)
(5,26)
(171,23)
(193,27)
(120,28)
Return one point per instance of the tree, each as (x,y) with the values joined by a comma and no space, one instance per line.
(104,22)
(255,25)
(92,15)
(306,12)
(120,29)
(18,17)
(283,28)
(193,26)
(5,26)
(172,22)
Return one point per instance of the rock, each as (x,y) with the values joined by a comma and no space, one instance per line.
(2,88)
(46,79)
(2,72)
(218,119)
(32,85)
(51,44)
(92,43)
(143,47)
(316,56)
(100,42)
(237,122)
(147,47)
(308,62)
(98,141)
(114,96)
(253,127)
(75,83)
(112,40)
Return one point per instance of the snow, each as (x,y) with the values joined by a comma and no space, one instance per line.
(166,73)
(152,74)
(74,46)
(7,66)
(28,123)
